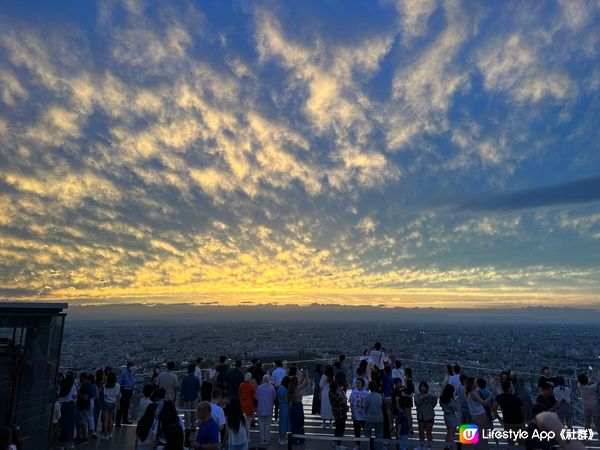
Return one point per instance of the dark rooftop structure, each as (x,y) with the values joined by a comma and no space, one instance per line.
(30,342)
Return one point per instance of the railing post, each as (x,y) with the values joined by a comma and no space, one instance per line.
(289,440)
(372,443)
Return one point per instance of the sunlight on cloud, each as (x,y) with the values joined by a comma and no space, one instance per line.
(165,153)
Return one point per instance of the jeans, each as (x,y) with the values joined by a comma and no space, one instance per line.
(378,427)
(402,441)
(264,425)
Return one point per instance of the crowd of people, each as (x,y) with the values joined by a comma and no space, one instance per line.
(221,403)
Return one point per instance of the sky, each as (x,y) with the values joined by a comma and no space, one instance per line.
(391,153)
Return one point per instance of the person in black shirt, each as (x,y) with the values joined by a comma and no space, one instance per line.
(547,399)
(234,378)
(395,397)
(546,378)
(222,370)
(513,413)
(535,443)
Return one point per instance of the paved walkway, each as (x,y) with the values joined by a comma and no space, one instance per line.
(124,437)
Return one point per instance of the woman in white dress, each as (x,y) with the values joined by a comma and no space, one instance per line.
(326,412)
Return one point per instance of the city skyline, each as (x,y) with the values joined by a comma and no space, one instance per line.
(394,153)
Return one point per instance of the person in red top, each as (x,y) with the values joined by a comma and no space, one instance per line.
(247,394)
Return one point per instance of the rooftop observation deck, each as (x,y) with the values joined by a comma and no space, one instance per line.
(124,437)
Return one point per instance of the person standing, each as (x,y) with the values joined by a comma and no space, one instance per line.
(67,395)
(402,429)
(198,369)
(190,386)
(143,431)
(276,377)
(247,394)
(236,434)
(222,370)
(339,407)
(295,389)
(284,410)
(235,377)
(208,382)
(127,383)
(374,414)
(476,406)
(208,436)
(326,412)
(168,381)
(406,399)
(316,401)
(112,394)
(425,403)
(265,398)
(562,393)
(451,409)
(589,393)
(513,412)
(84,394)
(357,408)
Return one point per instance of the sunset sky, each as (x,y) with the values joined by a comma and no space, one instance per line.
(409,153)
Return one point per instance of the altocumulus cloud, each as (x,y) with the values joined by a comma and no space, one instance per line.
(194,151)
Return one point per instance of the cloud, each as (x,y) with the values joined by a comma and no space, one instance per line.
(514,66)
(159,150)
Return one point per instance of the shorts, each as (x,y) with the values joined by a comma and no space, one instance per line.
(426,421)
(564,411)
(82,417)
(108,406)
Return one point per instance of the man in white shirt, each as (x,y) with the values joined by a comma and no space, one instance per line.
(278,374)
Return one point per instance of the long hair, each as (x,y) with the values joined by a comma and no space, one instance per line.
(447,394)
(66,385)
(145,423)
(470,384)
(174,438)
(167,417)
(328,372)
(111,380)
(235,417)
(291,394)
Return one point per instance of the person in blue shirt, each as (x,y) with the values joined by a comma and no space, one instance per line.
(208,432)
(190,386)
(127,382)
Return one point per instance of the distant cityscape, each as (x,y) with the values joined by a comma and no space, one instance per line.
(567,349)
